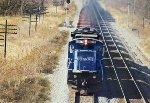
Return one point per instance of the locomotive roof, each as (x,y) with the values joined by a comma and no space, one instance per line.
(85,30)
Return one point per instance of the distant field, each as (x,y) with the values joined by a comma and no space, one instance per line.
(30,58)
(120,13)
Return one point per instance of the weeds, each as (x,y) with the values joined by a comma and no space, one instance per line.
(29,59)
(31,89)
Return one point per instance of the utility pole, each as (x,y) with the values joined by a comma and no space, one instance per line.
(133,12)
(128,12)
(5,46)
(66,9)
(30,24)
(36,20)
(56,8)
(7,29)
(39,13)
(56,3)
(143,22)
(67,17)
(134,1)
(29,20)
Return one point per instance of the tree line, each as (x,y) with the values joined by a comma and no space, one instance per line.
(19,7)
(139,7)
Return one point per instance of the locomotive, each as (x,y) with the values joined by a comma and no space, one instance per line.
(85,56)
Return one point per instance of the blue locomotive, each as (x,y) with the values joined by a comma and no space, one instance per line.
(85,55)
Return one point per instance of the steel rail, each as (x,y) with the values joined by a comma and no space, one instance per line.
(110,56)
(120,53)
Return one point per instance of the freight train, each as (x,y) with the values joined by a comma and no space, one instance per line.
(85,57)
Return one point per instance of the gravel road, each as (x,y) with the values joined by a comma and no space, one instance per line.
(59,87)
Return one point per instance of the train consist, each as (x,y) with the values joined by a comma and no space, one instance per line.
(85,56)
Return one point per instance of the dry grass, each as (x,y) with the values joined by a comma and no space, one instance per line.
(30,58)
(35,90)
(121,16)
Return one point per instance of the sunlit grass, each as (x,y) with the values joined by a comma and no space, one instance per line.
(28,58)
(135,22)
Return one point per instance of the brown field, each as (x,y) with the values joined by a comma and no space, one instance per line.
(29,59)
(136,21)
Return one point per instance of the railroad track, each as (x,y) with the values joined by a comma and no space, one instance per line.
(84,99)
(116,56)
(77,96)
(115,59)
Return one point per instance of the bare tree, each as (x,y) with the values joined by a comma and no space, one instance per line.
(13,7)
(147,9)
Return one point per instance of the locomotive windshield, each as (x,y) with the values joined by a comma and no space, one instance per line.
(81,46)
(85,44)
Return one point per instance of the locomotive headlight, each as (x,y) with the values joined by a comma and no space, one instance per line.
(85,41)
(75,76)
(94,77)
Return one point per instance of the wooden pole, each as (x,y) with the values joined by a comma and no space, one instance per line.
(143,22)
(36,22)
(56,8)
(5,47)
(133,13)
(30,24)
(39,13)
(128,12)
(134,6)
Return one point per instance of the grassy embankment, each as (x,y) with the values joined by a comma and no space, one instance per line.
(29,59)
(121,17)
